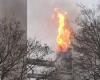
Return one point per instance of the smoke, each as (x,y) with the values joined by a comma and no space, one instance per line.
(40,23)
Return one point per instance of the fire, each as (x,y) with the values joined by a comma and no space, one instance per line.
(64,31)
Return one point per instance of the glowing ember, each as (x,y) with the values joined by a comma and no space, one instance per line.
(64,31)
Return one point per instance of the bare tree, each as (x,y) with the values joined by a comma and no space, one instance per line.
(18,56)
(36,59)
(87,44)
(12,48)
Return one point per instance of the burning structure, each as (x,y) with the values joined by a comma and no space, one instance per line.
(64,37)
(61,68)
(64,30)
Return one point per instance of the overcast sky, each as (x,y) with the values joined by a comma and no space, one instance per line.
(40,23)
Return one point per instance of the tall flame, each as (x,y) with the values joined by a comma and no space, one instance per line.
(64,31)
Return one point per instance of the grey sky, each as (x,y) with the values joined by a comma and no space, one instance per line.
(40,23)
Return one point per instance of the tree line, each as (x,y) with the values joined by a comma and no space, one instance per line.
(16,51)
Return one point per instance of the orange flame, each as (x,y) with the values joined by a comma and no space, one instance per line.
(64,31)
